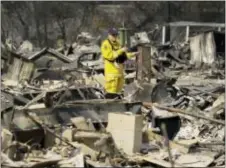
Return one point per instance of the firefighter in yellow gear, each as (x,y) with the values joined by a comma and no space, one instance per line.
(114,56)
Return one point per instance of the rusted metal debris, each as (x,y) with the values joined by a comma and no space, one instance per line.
(183,112)
(54,112)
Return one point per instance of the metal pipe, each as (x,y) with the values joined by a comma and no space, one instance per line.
(187,33)
(163,34)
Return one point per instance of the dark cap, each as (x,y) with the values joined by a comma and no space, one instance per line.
(113,31)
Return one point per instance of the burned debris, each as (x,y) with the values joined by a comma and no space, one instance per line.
(54,111)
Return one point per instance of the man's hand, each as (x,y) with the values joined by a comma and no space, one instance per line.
(124,49)
(136,53)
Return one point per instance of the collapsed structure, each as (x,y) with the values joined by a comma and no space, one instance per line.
(54,113)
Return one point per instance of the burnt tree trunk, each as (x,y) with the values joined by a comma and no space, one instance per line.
(46,31)
(61,25)
(37,22)
(24,24)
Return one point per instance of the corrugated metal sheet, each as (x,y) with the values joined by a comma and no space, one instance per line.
(43,61)
(203,49)
(210,49)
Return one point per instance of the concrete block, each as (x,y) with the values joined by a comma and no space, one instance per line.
(126,131)
(124,121)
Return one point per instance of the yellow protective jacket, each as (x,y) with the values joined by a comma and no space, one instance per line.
(114,78)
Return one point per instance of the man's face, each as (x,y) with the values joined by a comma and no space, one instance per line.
(113,38)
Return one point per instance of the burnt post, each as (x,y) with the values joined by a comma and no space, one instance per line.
(143,68)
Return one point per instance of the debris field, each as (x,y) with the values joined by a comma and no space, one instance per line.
(54,111)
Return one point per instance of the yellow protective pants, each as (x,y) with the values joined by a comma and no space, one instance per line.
(114,84)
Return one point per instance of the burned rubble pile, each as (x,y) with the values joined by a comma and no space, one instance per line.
(54,112)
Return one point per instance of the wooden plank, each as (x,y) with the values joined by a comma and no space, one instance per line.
(26,71)
(157,161)
(14,70)
(96,164)
(87,135)
(192,160)
(187,143)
